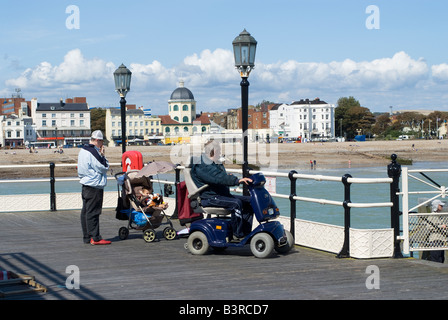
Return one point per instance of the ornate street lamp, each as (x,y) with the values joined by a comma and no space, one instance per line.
(122,78)
(244,48)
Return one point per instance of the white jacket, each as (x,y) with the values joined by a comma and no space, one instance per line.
(91,172)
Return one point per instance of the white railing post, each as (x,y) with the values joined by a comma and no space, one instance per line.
(405,206)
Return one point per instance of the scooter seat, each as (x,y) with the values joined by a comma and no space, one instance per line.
(216,211)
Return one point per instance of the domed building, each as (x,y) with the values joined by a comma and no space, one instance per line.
(182,121)
(182,106)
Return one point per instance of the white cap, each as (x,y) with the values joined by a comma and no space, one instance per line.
(436,203)
(97,135)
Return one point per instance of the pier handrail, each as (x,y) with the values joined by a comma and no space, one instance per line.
(346,180)
(438,191)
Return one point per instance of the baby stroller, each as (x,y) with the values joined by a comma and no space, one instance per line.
(129,208)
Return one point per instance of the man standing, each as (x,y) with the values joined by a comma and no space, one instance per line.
(92,169)
(437,228)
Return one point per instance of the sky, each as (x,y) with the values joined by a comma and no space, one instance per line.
(386,54)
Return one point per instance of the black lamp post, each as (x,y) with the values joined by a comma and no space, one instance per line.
(244,48)
(122,78)
(56,136)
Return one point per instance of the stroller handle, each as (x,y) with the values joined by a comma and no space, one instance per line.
(119,173)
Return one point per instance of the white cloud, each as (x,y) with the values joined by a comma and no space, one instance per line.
(380,74)
(440,72)
(75,69)
(210,67)
(213,80)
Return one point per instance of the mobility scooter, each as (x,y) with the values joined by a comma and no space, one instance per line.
(216,232)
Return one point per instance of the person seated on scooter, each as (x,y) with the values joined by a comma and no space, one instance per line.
(211,171)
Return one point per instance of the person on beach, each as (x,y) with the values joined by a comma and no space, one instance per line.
(92,170)
(212,172)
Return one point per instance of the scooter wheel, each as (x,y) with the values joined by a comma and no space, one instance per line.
(262,245)
(198,243)
(123,233)
(149,235)
(169,233)
(289,244)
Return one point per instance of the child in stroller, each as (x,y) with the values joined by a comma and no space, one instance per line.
(142,208)
(151,201)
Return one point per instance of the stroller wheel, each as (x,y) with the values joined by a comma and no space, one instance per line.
(123,233)
(149,235)
(169,233)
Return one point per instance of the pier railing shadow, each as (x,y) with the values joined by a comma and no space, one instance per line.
(55,282)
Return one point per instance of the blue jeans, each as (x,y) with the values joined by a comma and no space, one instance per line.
(241,212)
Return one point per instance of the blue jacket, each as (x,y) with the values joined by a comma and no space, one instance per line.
(213,174)
(92,168)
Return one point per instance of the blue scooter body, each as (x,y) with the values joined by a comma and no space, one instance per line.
(218,230)
(262,203)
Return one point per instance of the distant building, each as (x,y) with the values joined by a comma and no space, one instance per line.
(64,123)
(304,119)
(182,121)
(140,128)
(232,119)
(16,131)
(15,104)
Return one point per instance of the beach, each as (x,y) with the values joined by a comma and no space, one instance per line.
(294,156)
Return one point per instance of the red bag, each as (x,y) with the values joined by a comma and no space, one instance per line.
(184,211)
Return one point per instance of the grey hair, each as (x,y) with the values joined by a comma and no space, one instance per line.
(212,148)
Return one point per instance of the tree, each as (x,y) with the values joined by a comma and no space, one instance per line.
(382,124)
(98,119)
(352,117)
(360,120)
(435,119)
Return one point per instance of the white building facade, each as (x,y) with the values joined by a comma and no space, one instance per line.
(61,123)
(139,127)
(305,120)
(16,131)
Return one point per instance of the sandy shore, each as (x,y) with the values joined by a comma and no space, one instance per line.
(295,156)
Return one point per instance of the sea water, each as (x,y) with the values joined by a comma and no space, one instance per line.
(362,218)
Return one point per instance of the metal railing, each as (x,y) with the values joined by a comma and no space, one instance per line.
(394,171)
(423,230)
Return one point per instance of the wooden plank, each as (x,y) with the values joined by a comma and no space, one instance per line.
(20,284)
(44,244)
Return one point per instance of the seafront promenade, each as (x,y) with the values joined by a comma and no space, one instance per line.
(45,244)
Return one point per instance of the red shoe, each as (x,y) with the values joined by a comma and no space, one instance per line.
(101,242)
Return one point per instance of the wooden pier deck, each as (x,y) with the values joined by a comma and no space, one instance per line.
(44,244)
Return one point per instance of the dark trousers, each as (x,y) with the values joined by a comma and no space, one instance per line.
(437,256)
(92,204)
(241,212)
